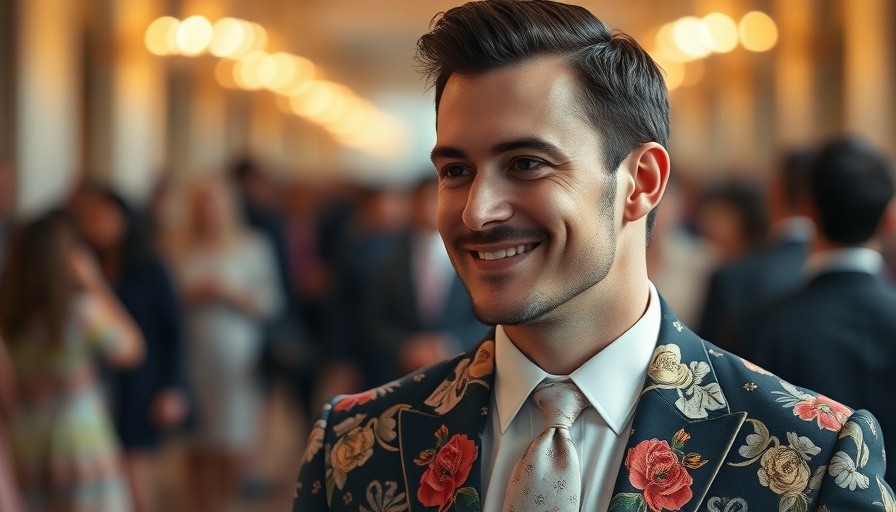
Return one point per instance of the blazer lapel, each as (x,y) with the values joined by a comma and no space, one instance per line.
(440,440)
(682,428)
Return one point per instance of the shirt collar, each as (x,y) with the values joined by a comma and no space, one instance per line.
(853,259)
(611,380)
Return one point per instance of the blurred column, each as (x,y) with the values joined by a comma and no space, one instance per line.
(794,79)
(49,57)
(137,137)
(868,71)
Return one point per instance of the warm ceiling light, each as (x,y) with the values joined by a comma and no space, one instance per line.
(758,32)
(315,99)
(284,71)
(666,46)
(718,32)
(260,37)
(249,71)
(160,36)
(352,119)
(686,32)
(303,71)
(229,36)
(194,35)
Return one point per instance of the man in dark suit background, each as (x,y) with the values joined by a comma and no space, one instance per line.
(837,333)
(770,271)
(417,311)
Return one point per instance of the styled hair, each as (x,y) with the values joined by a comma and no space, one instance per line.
(37,284)
(851,184)
(623,93)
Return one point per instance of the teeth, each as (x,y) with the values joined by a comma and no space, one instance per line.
(504,253)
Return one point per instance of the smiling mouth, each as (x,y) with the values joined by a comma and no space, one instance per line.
(505,253)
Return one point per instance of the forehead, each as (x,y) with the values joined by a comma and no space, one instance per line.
(540,97)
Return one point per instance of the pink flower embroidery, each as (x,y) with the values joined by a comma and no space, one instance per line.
(829,414)
(447,472)
(656,470)
(353,400)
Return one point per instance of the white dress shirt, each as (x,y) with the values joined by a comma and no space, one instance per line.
(611,381)
(850,259)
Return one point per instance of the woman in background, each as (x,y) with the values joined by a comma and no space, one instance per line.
(59,318)
(149,399)
(229,283)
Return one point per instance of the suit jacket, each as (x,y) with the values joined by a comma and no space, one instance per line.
(711,432)
(759,276)
(836,335)
(391,312)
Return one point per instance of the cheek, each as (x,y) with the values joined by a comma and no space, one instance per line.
(449,211)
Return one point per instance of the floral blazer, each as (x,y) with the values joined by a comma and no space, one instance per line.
(711,432)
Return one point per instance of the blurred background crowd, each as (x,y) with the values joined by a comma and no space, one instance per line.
(215,215)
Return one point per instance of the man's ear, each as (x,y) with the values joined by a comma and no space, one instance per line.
(648,172)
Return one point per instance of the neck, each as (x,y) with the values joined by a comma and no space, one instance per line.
(567,337)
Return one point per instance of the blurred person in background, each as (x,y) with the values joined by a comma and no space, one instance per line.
(60,318)
(837,333)
(418,312)
(730,218)
(772,269)
(678,262)
(363,237)
(151,398)
(228,280)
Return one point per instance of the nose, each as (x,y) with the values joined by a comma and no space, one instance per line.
(488,202)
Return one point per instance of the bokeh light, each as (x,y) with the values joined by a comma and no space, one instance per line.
(194,35)
(718,32)
(758,32)
(161,35)
(230,37)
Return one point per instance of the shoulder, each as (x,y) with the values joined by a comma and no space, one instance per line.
(422,390)
(769,399)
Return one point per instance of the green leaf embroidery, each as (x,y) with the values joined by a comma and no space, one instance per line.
(467,500)
(628,502)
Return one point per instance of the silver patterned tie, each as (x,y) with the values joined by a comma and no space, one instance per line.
(548,477)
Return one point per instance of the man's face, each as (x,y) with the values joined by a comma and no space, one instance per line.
(526,208)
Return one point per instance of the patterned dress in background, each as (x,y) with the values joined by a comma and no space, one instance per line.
(64,446)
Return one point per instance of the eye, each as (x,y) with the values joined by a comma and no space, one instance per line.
(526,164)
(453,171)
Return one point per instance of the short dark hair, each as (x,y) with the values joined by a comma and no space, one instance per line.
(623,92)
(851,184)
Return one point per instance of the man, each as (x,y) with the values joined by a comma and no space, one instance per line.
(418,312)
(770,271)
(836,333)
(550,156)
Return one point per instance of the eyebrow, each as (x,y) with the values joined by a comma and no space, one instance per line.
(535,143)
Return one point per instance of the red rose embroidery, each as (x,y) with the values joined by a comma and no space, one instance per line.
(655,469)
(829,414)
(447,472)
(353,400)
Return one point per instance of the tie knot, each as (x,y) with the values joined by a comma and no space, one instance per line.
(560,403)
